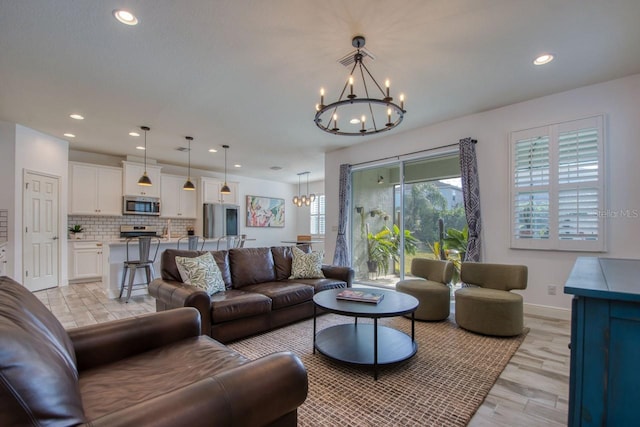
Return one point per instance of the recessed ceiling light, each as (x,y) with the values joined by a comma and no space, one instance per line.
(354,121)
(140,147)
(543,59)
(276,168)
(213,150)
(134,134)
(237,166)
(69,135)
(125,17)
(76,116)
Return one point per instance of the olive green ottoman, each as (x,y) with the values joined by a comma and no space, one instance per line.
(434,299)
(488,307)
(489,311)
(431,289)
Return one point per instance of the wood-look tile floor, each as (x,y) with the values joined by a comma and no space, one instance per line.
(533,389)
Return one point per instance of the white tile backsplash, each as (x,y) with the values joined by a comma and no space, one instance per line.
(108,227)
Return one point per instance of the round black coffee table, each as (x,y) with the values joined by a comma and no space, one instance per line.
(365,344)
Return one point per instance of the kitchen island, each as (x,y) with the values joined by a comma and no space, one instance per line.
(115,254)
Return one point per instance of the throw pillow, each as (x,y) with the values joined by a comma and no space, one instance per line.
(202,272)
(306,266)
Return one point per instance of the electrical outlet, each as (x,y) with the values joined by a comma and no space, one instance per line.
(551,289)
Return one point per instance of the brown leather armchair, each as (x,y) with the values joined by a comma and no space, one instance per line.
(153,369)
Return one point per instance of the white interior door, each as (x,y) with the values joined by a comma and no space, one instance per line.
(41,243)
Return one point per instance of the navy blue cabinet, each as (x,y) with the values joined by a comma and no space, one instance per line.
(604,388)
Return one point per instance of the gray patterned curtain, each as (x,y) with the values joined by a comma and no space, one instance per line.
(471,196)
(341,254)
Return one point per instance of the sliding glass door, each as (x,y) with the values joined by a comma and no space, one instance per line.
(374,248)
(396,219)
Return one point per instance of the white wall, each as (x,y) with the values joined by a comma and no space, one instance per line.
(7,189)
(26,149)
(618,100)
(258,187)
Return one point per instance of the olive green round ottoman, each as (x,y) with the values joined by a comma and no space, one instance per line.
(489,311)
(434,299)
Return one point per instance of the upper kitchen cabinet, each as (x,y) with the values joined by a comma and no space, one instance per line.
(94,190)
(132,173)
(211,191)
(175,202)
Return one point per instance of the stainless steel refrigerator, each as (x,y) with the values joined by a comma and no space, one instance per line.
(220,220)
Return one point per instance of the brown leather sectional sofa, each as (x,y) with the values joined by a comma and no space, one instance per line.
(156,369)
(259,295)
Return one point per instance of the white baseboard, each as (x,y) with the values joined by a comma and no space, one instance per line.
(546,311)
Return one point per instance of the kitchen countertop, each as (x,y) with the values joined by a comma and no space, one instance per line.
(163,240)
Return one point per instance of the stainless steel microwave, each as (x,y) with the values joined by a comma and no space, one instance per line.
(135,205)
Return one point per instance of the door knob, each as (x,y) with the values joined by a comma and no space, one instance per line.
(55,237)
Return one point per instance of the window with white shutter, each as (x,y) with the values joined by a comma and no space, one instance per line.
(317,215)
(557,190)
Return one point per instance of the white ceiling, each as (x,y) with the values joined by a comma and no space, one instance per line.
(247,73)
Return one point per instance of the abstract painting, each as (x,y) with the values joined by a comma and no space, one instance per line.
(265,212)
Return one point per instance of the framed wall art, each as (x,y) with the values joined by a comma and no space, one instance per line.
(265,211)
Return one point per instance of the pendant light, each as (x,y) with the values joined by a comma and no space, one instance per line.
(144,179)
(225,188)
(296,199)
(305,199)
(189,184)
(311,197)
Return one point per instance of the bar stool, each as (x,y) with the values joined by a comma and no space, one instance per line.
(144,261)
(232,241)
(193,242)
(239,241)
(229,241)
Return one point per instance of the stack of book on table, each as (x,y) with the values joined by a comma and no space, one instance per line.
(361,296)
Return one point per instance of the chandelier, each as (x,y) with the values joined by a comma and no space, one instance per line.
(304,199)
(359,112)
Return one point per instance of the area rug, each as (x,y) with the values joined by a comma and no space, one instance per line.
(442,385)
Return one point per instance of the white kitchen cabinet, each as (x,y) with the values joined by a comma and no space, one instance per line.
(85,260)
(175,202)
(94,190)
(132,172)
(211,191)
